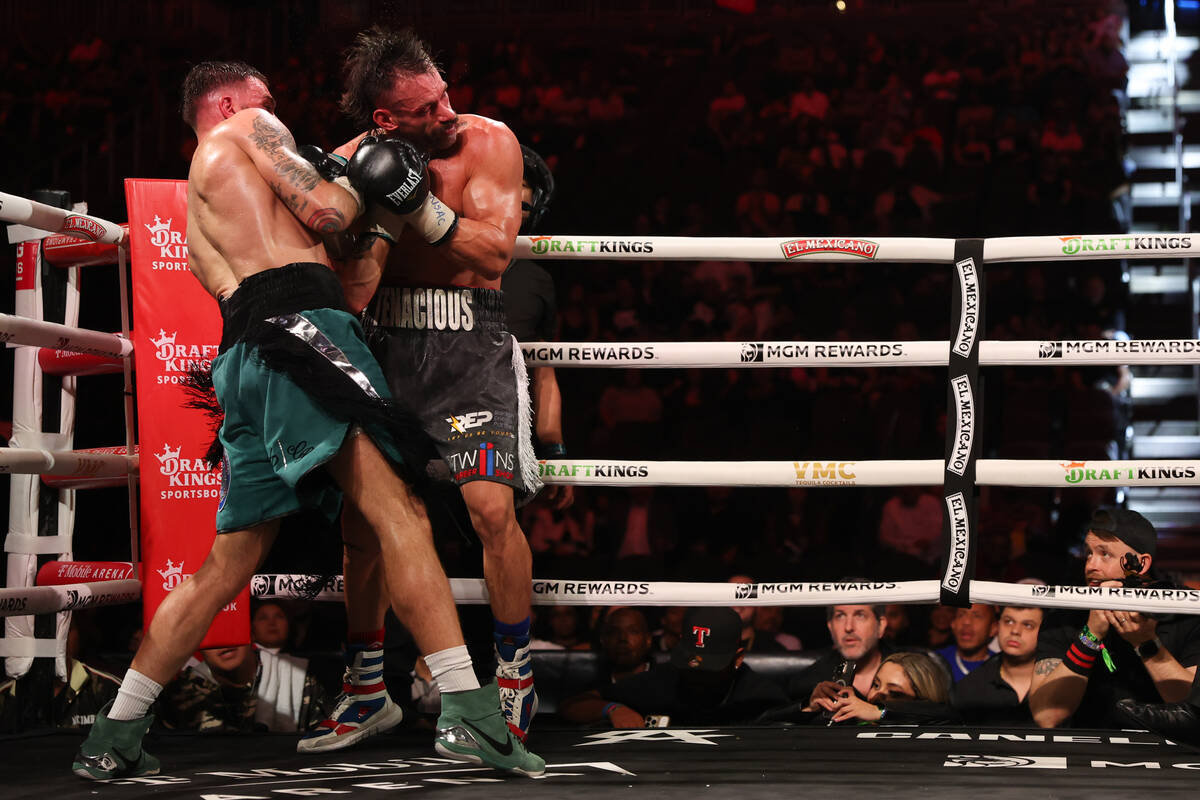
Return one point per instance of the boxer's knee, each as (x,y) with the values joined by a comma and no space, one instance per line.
(493,515)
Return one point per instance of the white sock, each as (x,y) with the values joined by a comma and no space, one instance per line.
(136,695)
(451,670)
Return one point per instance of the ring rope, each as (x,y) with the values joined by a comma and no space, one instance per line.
(473,591)
(847,248)
(69,463)
(23,330)
(856,354)
(23,211)
(831,473)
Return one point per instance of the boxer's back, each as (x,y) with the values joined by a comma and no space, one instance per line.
(237,224)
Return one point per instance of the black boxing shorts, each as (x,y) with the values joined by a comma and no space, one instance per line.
(446,352)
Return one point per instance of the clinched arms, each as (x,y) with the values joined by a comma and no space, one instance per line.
(323,206)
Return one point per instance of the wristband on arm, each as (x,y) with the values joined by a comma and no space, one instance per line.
(553,450)
(604,712)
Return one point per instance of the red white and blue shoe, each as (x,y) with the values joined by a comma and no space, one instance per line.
(361,712)
(518,699)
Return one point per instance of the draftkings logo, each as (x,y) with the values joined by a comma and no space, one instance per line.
(171,244)
(187,478)
(172,575)
(178,359)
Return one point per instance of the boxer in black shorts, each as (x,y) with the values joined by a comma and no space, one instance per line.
(449,238)
(448,347)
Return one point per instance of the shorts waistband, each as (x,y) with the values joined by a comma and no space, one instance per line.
(295,287)
(437,308)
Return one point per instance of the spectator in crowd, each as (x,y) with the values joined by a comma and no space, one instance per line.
(624,643)
(563,626)
(973,629)
(1153,658)
(75,700)
(705,683)
(940,633)
(243,688)
(899,630)
(669,631)
(270,626)
(997,693)
(908,688)
(768,629)
(857,633)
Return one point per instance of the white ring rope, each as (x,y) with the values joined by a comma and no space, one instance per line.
(23,211)
(579,472)
(23,600)
(70,463)
(916,472)
(473,591)
(849,248)
(23,330)
(855,354)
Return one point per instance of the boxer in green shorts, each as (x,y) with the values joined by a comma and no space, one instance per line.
(296,383)
(277,431)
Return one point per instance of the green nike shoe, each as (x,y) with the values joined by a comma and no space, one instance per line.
(113,749)
(472,728)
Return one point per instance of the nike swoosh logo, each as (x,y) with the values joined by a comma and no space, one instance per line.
(504,749)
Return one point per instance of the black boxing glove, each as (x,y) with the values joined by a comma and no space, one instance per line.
(392,174)
(331,168)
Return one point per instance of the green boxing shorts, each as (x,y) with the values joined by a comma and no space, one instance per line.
(294,377)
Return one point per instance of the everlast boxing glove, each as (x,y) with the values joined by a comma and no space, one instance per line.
(392,174)
(330,167)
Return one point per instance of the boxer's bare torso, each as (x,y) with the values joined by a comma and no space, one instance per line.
(253,204)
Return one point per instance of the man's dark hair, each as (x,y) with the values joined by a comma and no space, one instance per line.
(208,75)
(373,61)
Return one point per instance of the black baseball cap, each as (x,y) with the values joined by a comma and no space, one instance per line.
(1129,526)
(710,639)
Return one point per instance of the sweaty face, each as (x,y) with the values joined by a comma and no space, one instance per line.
(1104,555)
(890,683)
(974,627)
(418,109)
(1019,631)
(855,630)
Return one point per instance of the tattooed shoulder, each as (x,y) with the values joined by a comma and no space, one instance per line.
(270,137)
(1046,666)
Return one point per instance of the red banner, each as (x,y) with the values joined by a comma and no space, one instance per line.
(68,362)
(178,324)
(69,251)
(60,573)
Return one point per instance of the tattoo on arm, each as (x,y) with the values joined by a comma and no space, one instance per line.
(1046,666)
(292,200)
(326,220)
(273,140)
